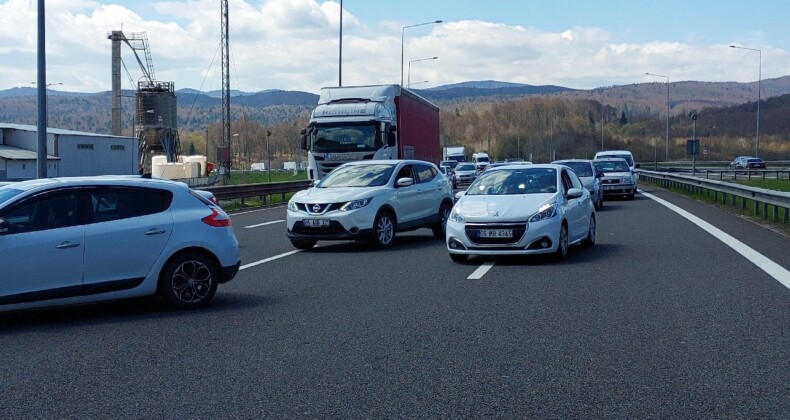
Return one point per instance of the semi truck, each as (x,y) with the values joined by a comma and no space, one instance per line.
(455,153)
(369,122)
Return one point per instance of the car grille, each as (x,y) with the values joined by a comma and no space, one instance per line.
(518,232)
(313,209)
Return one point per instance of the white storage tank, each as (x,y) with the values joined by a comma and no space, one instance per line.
(200,160)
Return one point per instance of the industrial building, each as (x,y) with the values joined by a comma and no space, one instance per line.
(69,153)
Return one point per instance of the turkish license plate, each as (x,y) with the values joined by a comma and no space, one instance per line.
(495,233)
(612,187)
(315,222)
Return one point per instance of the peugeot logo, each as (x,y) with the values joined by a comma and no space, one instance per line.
(316,208)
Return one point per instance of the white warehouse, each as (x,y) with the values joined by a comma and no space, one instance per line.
(69,153)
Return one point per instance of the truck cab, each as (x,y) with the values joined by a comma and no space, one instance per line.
(369,123)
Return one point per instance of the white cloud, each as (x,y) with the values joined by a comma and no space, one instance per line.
(293,44)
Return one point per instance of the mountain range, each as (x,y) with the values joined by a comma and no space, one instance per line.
(91,111)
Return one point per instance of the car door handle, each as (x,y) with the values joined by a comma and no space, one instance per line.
(67,245)
(154,231)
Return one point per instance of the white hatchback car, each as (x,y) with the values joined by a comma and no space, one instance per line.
(521,209)
(77,240)
(371,200)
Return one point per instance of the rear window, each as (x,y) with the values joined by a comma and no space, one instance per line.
(628,158)
(755,160)
(581,168)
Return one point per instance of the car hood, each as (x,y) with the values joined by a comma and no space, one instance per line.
(504,208)
(336,195)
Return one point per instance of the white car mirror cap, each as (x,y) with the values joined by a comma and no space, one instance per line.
(575,193)
(459,194)
(405,182)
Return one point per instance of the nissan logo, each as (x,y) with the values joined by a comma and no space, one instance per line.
(316,208)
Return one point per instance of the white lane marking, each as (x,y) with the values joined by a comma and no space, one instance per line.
(264,261)
(263,224)
(773,269)
(481,271)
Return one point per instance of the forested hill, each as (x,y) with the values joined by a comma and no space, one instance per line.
(91,111)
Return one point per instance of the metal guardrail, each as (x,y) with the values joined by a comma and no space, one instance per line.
(235,192)
(725,192)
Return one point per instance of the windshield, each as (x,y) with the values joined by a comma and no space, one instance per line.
(465,167)
(373,175)
(515,181)
(483,159)
(627,158)
(7,193)
(345,138)
(612,166)
(581,168)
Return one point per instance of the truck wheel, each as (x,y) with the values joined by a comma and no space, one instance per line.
(383,230)
(440,229)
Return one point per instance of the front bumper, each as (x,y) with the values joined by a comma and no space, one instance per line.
(352,225)
(529,238)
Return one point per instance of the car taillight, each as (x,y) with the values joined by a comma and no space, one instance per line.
(217,219)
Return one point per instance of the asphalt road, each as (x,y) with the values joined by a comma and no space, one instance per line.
(659,320)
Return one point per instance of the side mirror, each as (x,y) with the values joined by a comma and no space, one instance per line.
(405,182)
(599,174)
(574,193)
(303,138)
(637,166)
(459,194)
(391,139)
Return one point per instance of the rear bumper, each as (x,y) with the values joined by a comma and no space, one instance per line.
(228,273)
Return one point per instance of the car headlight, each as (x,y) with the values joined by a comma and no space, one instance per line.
(356,204)
(547,211)
(292,206)
(456,217)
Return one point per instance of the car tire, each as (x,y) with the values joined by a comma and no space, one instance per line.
(306,244)
(189,281)
(459,258)
(631,195)
(440,229)
(589,241)
(563,246)
(383,230)
(599,203)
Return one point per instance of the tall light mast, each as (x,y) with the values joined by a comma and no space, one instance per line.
(226,136)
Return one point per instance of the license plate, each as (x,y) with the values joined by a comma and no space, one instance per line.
(495,233)
(612,187)
(315,222)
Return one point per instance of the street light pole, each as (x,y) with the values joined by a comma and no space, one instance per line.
(268,156)
(666,141)
(340,53)
(402,34)
(759,82)
(408,83)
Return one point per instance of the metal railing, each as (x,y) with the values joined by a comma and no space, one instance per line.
(725,192)
(264,191)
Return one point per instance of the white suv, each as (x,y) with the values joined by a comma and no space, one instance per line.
(76,240)
(371,200)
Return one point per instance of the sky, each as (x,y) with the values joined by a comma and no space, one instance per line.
(294,44)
